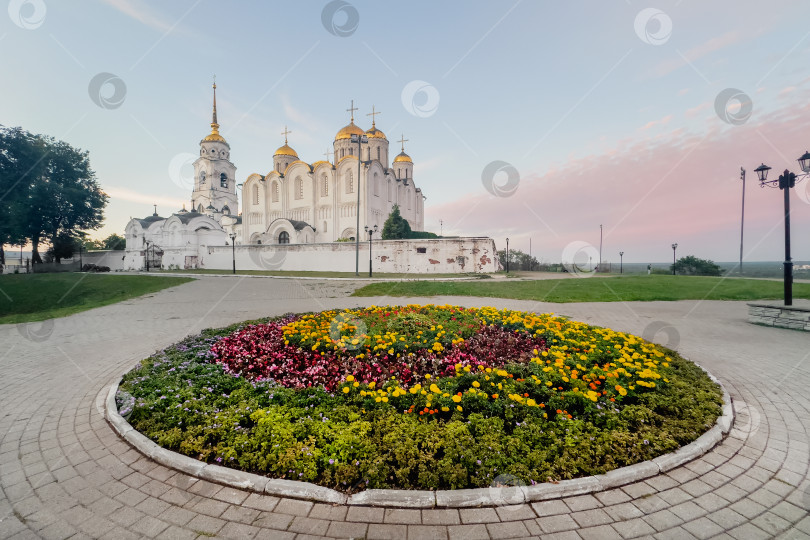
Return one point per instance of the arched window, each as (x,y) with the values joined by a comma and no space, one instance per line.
(202,177)
(200,209)
(349,183)
(255,194)
(223,180)
(408,196)
(275,191)
(389,190)
(378,153)
(376,184)
(284,237)
(324,186)
(299,188)
(324,226)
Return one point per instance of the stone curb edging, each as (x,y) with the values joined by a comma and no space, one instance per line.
(460,498)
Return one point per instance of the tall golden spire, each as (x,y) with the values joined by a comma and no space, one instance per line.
(214,124)
(214,135)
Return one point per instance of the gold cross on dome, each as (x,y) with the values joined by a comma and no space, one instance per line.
(372,114)
(328,153)
(403,140)
(285,133)
(352,109)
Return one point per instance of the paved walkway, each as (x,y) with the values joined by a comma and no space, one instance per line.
(65,474)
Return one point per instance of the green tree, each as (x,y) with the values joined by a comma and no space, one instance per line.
(54,189)
(692,266)
(21,156)
(518,260)
(63,246)
(396,227)
(114,241)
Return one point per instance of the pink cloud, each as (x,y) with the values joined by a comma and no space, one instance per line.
(648,193)
(695,53)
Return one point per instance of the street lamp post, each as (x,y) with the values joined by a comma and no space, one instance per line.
(674,247)
(370,232)
(742,218)
(507,256)
(360,140)
(147,255)
(786,181)
(621,260)
(233,250)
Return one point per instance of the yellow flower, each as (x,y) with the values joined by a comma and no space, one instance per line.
(356,384)
(456,398)
(458,408)
(345,389)
(476,384)
(435,389)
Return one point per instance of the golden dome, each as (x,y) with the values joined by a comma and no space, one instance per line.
(214,136)
(286,151)
(348,131)
(403,157)
(375,133)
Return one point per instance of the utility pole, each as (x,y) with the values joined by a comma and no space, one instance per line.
(600,247)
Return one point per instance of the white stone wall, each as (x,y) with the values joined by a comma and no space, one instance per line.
(112,258)
(451,255)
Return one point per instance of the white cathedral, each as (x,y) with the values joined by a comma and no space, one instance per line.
(294,203)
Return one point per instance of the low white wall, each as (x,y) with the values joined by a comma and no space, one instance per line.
(446,255)
(112,258)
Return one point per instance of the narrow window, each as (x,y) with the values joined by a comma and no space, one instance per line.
(255,194)
(284,237)
(223,180)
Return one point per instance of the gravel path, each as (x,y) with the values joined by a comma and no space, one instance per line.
(65,474)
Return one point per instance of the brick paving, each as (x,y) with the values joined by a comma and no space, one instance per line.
(64,473)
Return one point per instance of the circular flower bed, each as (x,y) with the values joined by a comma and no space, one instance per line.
(419,397)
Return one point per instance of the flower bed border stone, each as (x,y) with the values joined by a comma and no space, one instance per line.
(459,498)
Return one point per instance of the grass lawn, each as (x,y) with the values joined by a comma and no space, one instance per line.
(597,289)
(36,297)
(320,274)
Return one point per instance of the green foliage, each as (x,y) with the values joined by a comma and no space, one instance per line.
(115,242)
(63,246)
(396,227)
(692,266)
(51,189)
(518,260)
(416,235)
(348,442)
(596,289)
(343,239)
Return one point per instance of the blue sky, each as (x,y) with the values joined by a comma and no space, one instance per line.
(606,110)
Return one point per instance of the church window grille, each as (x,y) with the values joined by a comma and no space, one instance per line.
(378,153)
(376,185)
(223,180)
(299,188)
(284,237)
(275,191)
(324,186)
(350,183)
(256,194)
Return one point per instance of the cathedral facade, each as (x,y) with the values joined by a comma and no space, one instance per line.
(300,202)
(294,203)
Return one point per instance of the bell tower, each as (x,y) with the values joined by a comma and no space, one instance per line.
(214,174)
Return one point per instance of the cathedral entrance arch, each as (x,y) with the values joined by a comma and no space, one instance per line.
(348,233)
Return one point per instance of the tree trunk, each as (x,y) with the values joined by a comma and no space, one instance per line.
(35,258)
(2,256)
